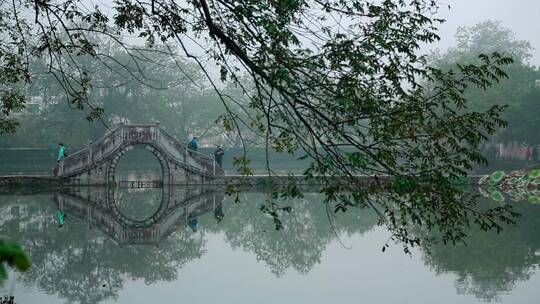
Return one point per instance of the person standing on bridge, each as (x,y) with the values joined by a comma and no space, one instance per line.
(194,143)
(218,155)
(61,152)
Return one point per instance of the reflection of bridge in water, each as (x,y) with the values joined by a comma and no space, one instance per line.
(178,206)
(96,164)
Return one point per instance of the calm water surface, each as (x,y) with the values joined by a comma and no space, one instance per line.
(201,246)
(207,248)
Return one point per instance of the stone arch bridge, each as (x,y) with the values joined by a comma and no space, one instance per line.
(96,164)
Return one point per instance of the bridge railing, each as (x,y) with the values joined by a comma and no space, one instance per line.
(191,158)
(144,133)
(107,144)
(85,157)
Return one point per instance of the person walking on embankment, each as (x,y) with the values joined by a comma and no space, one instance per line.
(218,155)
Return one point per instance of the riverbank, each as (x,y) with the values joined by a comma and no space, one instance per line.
(38,182)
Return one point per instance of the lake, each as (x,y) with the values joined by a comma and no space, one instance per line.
(200,245)
(208,248)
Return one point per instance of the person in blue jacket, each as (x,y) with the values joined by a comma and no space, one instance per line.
(194,143)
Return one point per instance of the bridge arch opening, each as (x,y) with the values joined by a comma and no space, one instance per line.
(137,179)
(137,163)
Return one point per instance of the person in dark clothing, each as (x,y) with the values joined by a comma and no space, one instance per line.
(193,224)
(218,213)
(194,143)
(218,155)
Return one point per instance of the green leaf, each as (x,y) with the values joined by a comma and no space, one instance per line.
(496,177)
(14,256)
(497,196)
(534,173)
(534,199)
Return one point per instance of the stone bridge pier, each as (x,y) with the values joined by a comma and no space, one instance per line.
(96,164)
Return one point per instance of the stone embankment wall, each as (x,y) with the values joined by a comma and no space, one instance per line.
(12,184)
(42,183)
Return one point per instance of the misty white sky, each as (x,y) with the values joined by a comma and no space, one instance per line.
(520,16)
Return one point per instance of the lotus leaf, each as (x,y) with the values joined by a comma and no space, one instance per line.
(497,196)
(534,199)
(534,173)
(496,177)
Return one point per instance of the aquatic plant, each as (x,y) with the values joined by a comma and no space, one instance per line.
(14,256)
(519,185)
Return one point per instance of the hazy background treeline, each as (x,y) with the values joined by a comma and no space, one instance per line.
(141,87)
(171,91)
(521,91)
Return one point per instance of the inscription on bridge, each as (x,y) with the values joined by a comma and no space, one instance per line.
(141,134)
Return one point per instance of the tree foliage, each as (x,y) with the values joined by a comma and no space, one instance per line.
(14,256)
(487,37)
(343,81)
(520,92)
(155,90)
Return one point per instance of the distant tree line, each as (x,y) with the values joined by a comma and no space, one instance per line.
(520,92)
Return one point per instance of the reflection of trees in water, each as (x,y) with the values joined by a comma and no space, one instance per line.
(492,264)
(76,261)
(78,267)
(299,244)
(138,204)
